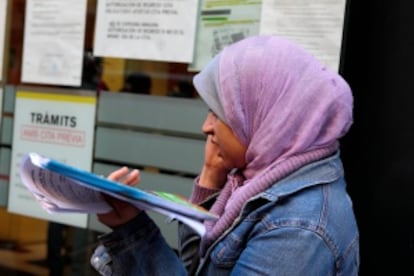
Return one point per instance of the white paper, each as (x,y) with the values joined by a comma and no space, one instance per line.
(54,33)
(317,25)
(161,30)
(56,193)
(222,23)
(3,9)
(57,125)
(59,188)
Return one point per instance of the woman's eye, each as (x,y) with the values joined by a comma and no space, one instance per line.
(214,116)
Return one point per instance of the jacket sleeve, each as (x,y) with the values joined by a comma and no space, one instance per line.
(285,251)
(188,247)
(136,248)
(189,240)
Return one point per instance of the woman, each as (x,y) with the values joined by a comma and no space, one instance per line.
(272,173)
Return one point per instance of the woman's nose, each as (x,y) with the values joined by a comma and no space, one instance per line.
(208,124)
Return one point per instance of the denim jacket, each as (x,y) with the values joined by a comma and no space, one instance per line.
(302,225)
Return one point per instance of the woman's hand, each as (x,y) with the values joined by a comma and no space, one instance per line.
(213,174)
(122,211)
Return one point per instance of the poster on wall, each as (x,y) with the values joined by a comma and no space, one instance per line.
(56,124)
(146,29)
(3,9)
(222,23)
(54,33)
(316,25)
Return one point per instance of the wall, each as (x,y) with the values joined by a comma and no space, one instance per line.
(378,153)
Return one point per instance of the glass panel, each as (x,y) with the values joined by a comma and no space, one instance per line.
(31,246)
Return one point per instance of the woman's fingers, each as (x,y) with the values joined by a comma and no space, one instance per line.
(122,211)
(117,174)
(132,178)
(124,175)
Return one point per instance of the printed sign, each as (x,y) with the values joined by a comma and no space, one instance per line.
(316,25)
(222,23)
(54,33)
(146,29)
(56,124)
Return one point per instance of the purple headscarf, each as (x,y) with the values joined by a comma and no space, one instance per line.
(282,103)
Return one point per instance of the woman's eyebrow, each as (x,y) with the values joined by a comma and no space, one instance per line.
(211,111)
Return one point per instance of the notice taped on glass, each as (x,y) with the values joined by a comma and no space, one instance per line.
(146,29)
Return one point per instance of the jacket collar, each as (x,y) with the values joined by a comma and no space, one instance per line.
(323,171)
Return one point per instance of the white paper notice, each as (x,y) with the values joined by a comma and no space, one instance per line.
(222,23)
(53,42)
(53,124)
(161,30)
(317,25)
(3,9)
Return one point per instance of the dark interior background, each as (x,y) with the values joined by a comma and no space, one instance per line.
(378,153)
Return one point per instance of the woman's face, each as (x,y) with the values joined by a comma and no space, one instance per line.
(231,150)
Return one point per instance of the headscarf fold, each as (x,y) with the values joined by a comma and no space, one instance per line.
(282,103)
